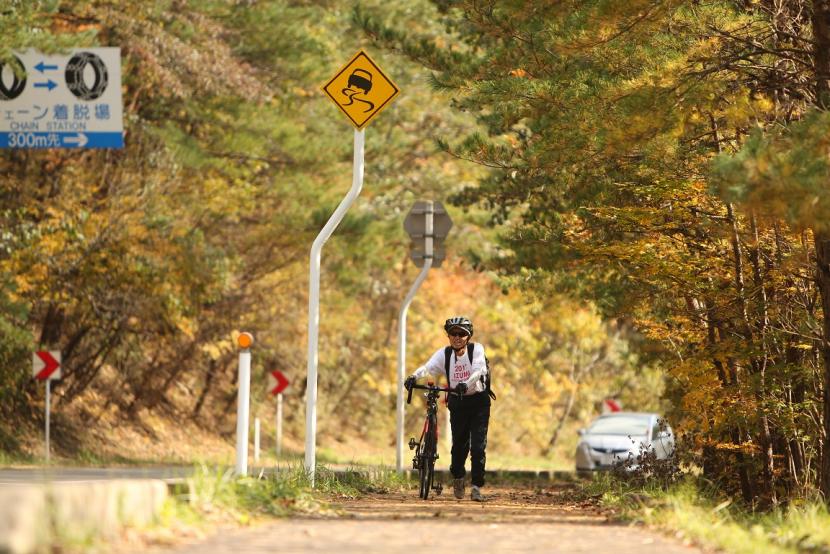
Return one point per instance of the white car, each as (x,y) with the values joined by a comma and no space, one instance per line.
(615,437)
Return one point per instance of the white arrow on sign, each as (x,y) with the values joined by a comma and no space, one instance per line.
(80,140)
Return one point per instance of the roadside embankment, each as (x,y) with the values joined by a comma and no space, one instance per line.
(34,516)
(41,508)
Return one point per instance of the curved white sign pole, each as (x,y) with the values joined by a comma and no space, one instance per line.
(314,304)
(402,332)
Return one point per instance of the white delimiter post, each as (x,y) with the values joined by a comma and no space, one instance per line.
(242,411)
(48,401)
(402,332)
(256,439)
(279,425)
(314,304)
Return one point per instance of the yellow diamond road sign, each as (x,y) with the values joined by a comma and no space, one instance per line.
(361,89)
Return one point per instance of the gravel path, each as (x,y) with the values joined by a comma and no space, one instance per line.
(511,520)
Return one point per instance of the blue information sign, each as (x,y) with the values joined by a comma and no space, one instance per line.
(62,101)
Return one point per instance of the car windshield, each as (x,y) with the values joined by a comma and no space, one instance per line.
(620,425)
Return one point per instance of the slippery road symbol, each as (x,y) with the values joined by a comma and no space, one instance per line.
(360,82)
(360,90)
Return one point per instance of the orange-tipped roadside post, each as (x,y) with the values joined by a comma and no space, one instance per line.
(244,341)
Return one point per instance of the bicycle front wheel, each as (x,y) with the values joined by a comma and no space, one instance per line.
(430,472)
(427,466)
(424,472)
(423,478)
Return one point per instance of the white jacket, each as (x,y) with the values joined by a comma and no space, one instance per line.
(462,370)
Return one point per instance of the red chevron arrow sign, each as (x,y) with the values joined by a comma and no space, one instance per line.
(611,405)
(46,365)
(277,382)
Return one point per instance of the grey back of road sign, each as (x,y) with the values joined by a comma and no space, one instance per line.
(415,225)
(418,256)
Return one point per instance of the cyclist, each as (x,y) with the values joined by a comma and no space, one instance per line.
(470,410)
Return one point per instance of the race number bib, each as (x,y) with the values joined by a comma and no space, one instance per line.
(460,372)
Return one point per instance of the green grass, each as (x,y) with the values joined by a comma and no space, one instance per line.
(283,493)
(213,496)
(693,512)
(355,482)
(9,459)
(217,489)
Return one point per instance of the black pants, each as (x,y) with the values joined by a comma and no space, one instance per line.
(469,419)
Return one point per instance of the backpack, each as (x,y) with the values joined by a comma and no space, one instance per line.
(448,353)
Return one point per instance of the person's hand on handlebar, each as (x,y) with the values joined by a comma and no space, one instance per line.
(460,389)
(409,383)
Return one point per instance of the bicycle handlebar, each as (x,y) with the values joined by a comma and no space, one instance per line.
(429,388)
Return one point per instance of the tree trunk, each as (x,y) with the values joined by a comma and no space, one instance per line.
(761,365)
(747,334)
(821,51)
(710,454)
(566,411)
(50,333)
(822,241)
(211,372)
(821,61)
(735,432)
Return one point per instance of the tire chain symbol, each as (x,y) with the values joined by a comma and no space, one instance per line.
(17,84)
(74,76)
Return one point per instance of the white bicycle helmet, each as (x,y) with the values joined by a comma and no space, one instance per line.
(460,322)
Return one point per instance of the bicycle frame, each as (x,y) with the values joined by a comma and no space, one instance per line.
(426,448)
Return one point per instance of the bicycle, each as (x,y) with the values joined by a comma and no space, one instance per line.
(426,449)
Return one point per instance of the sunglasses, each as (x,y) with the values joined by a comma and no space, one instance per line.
(457,334)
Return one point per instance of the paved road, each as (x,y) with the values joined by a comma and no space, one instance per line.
(512,520)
